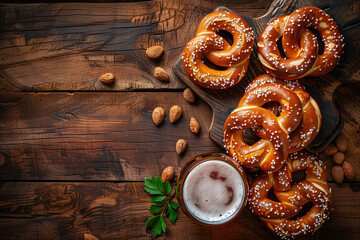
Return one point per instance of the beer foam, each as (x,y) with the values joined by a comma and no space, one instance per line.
(213,192)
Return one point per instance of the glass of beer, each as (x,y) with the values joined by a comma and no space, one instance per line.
(212,189)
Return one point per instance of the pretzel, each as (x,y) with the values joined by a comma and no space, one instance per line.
(280,126)
(269,153)
(301,60)
(217,50)
(291,110)
(277,215)
(310,122)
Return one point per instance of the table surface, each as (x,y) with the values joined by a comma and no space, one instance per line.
(74,152)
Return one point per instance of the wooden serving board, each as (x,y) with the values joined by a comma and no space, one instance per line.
(347,16)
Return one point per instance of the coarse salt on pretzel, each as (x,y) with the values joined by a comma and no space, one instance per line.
(280,217)
(310,122)
(301,60)
(288,120)
(269,154)
(291,110)
(217,50)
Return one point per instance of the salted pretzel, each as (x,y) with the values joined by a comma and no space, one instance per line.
(301,60)
(269,153)
(279,127)
(217,50)
(280,217)
(310,122)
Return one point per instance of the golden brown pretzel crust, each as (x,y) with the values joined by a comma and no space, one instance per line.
(310,122)
(302,60)
(291,113)
(234,57)
(269,153)
(276,215)
(296,126)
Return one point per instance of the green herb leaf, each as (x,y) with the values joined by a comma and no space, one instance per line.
(167,188)
(157,198)
(155,208)
(151,221)
(163,224)
(157,224)
(154,186)
(171,212)
(174,205)
(159,191)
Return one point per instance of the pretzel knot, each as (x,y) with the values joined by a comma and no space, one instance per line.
(310,122)
(269,153)
(301,59)
(297,123)
(280,217)
(235,57)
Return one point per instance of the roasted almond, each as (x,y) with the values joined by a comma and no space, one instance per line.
(338,174)
(154,52)
(168,174)
(175,113)
(161,74)
(348,171)
(181,146)
(330,150)
(194,126)
(107,78)
(341,143)
(189,95)
(158,115)
(338,158)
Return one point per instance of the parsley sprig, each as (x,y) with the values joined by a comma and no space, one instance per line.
(160,191)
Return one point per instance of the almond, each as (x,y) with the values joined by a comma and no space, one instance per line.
(88,236)
(330,150)
(338,174)
(154,52)
(338,158)
(194,126)
(175,113)
(181,146)
(161,74)
(348,171)
(158,115)
(189,95)
(107,78)
(168,174)
(341,143)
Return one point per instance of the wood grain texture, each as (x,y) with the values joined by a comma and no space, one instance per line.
(349,108)
(347,16)
(106,141)
(67,46)
(95,136)
(119,211)
(104,136)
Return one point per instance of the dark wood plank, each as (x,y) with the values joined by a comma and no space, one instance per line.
(95,136)
(119,211)
(347,101)
(101,136)
(349,108)
(346,15)
(67,46)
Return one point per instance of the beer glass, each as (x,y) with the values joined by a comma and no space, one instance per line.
(212,189)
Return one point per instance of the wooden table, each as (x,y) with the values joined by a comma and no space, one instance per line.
(74,152)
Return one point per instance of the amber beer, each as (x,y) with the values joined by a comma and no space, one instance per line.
(212,189)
